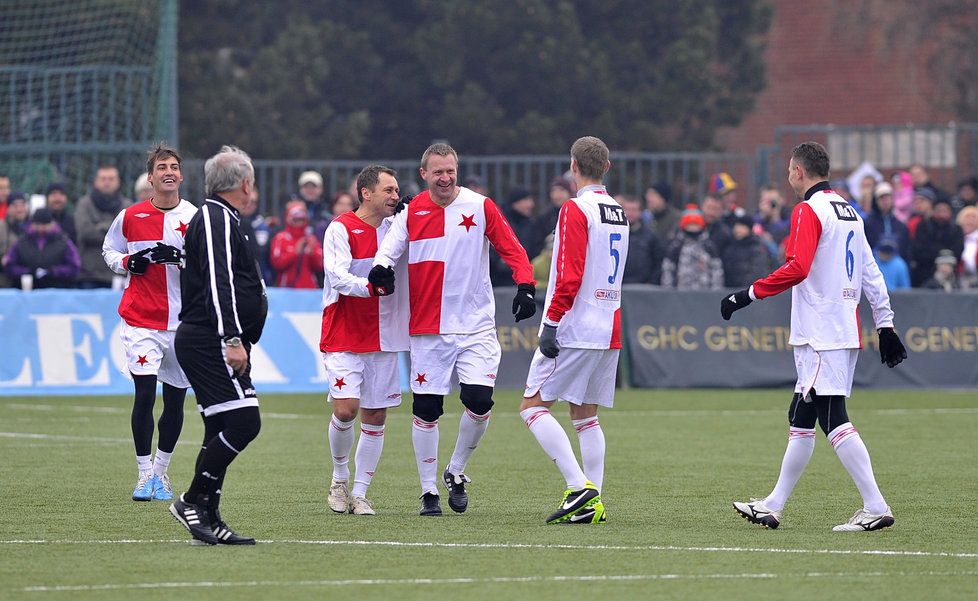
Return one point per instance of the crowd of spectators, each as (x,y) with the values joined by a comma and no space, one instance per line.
(921,235)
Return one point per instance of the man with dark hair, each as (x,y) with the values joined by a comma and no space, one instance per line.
(145,243)
(582,325)
(44,253)
(934,234)
(57,202)
(223,314)
(659,212)
(645,251)
(363,331)
(447,230)
(94,215)
(829,265)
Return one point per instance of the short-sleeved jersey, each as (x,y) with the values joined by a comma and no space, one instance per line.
(829,266)
(590,249)
(354,320)
(448,261)
(152,299)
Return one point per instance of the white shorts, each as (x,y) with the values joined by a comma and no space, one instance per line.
(828,372)
(475,357)
(373,378)
(151,353)
(576,375)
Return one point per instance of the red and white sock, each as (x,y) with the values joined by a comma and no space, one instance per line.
(471,429)
(855,458)
(591,438)
(555,444)
(424,435)
(801,444)
(369,447)
(340,444)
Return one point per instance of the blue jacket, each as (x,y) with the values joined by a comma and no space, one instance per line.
(896,274)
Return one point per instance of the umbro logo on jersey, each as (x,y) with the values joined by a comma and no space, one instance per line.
(421,212)
(358,231)
(141,215)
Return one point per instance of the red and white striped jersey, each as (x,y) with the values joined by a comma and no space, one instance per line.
(448,261)
(150,300)
(354,320)
(590,249)
(829,266)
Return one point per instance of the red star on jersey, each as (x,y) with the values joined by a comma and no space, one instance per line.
(468,221)
(421,379)
(339,383)
(142,360)
(182,229)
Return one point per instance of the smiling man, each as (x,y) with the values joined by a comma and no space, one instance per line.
(446,231)
(146,242)
(363,331)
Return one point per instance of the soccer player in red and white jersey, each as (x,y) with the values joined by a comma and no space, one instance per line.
(446,231)
(363,332)
(146,242)
(829,266)
(580,335)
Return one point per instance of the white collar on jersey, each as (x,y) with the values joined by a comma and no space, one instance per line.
(593,188)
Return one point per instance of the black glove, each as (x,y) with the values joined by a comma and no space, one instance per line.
(382,280)
(164,253)
(525,304)
(548,341)
(892,351)
(138,262)
(402,203)
(734,302)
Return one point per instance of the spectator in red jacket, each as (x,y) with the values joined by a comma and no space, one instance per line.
(297,256)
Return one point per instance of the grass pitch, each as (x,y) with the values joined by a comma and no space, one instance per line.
(675,461)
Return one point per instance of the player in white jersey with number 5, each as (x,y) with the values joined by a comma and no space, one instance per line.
(146,242)
(363,330)
(829,267)
(580,336)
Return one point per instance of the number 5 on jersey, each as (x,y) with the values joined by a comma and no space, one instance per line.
(612,238)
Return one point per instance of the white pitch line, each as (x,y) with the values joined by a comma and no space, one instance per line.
(408,544)
(491,580)
(47,408)
(40,436)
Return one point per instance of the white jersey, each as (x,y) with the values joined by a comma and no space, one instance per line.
(448,261)
(590,249)
(151,300)
(354,320)
(829,266)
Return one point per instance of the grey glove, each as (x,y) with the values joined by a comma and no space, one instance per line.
(548,341)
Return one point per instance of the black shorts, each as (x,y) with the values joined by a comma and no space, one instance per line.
(200,353)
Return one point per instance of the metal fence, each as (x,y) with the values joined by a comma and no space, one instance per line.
(631,173)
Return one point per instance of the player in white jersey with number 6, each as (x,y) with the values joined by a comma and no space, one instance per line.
(829,267)
(580,336)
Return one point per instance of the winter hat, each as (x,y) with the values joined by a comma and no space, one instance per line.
(946,257)
(744,219)
(296,209)
(310,177)
(692,217)
(664,190)
(42,216)
(887,245)
(56,187)
(721,183)
(882,189)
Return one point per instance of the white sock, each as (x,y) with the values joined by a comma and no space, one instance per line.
(591,439)
(853,454)
(369,447)
(471,428)
(144,463)
(161,462)
(801,444)
(424,435)
(340,444)
(555,444)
